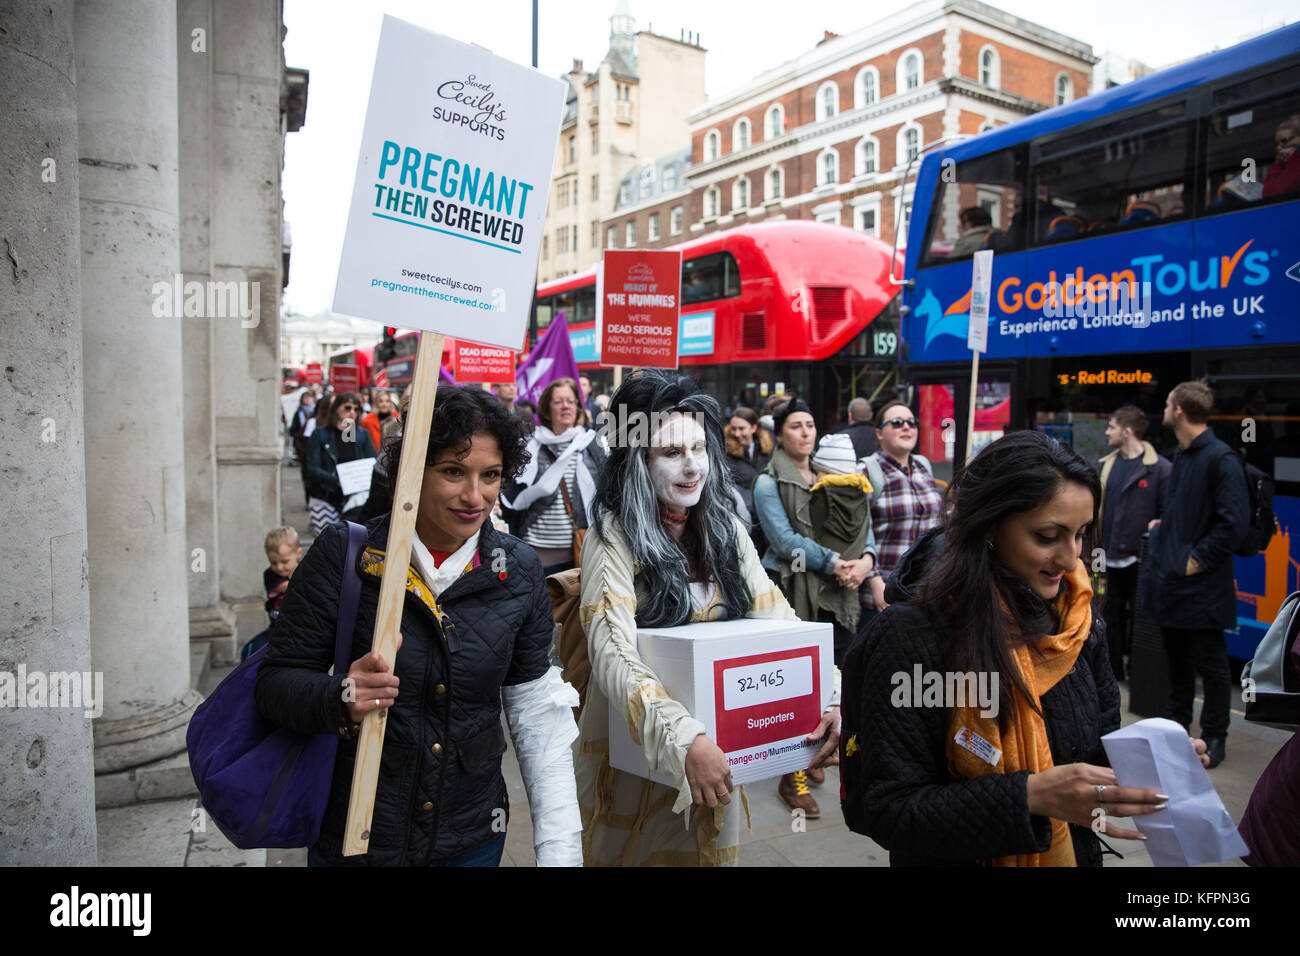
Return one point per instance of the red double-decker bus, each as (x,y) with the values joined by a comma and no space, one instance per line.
(788,306)
(361,357)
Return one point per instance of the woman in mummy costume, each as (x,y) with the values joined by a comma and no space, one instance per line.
(667,548)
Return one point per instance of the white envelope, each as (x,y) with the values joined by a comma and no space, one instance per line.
(1156,754)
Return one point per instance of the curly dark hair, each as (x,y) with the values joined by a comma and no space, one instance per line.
(458,415)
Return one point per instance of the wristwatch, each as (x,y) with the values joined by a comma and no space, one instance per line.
(347,729)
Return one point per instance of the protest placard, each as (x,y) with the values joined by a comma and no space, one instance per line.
(641,298)
(482,363)
(314,374)
(354,476)
(345,378)
(451,189)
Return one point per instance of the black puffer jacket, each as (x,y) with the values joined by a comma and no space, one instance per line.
(914,808)
(440,777)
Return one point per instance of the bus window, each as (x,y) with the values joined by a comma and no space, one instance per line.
(1251,146)
(405,345)
(710,277)
(584,305)
(578,305)
(545,311)
(977,206)
(1124,175)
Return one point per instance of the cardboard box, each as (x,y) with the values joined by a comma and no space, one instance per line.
(759,688)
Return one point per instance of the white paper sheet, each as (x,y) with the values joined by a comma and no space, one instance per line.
(354,476)
(1157,754)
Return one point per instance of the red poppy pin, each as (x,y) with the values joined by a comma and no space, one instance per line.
(501,575)
(1142,482)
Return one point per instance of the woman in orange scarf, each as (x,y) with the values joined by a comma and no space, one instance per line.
(986,687)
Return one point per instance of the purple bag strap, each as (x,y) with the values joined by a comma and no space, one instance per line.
(349,598)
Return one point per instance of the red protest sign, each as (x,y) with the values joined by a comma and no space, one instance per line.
(640,309)
(471,362)
(345,378)
(314,375)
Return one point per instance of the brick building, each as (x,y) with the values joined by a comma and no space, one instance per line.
(828,135)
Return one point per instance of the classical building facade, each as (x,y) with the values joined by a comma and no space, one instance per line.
(829,134)
(141,150)
(631,109)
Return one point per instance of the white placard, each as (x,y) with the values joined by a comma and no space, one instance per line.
(977,337)
(764,683)
(354,476)
(452,183)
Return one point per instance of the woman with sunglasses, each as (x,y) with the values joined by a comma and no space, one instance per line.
(547,503)
(336,439)
(905,501)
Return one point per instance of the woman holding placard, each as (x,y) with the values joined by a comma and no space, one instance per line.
(341,440)
(475,640)
(667,548)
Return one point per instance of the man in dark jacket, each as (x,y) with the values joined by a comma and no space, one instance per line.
(1188,580)
(1133,483)
(860,428)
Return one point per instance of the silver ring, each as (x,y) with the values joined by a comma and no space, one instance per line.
(1101,789)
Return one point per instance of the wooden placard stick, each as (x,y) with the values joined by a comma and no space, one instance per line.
(392,587)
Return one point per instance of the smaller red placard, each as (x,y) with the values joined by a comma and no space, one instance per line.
(314,375)
(640,308)
(345,378)
(472,362)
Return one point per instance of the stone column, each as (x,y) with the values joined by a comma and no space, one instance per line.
(210,618)
(135,464)
(247,236)
(47,784)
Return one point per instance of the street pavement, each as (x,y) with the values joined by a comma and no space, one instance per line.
(174,832)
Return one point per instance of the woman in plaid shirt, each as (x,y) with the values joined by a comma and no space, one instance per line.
(905,501)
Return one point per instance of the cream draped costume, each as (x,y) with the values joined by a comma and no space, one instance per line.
(629,820)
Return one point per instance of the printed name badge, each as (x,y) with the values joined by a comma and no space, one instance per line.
(763,698)
(977,745)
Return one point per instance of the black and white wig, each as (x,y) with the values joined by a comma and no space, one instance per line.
(709,548)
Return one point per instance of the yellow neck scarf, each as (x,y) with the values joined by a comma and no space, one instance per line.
(1025,746)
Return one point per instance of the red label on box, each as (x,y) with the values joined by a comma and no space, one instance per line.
(345,378)
(763,698)
(314,375)
(482,363)
(640,308)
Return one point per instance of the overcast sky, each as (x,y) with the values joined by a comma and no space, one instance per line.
(336,41)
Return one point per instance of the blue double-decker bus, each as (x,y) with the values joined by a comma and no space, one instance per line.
(1142,236)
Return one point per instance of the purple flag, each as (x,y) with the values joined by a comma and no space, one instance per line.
(444,376)
(552,359)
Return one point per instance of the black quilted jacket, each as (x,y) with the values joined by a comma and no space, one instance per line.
(915,809)
(440,776)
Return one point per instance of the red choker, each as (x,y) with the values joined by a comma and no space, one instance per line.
(672,518)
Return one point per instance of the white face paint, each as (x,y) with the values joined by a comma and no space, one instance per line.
(679,462)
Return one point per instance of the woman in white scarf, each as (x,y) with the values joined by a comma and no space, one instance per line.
(551,497)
